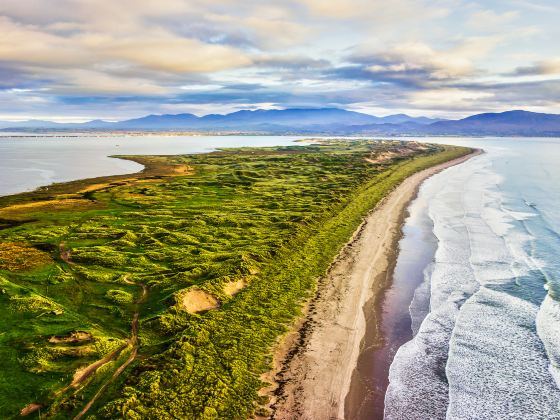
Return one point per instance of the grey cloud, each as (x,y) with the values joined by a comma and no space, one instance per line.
(543,68)
(197,27)
(291,62)
(407,78)
(243,86)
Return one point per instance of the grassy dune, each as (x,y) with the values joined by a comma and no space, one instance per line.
(160,295)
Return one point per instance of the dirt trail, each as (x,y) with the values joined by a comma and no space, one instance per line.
(65,254)
(100,391)
(79,378)
(30,408)
(86,372)
(82,374)
(132,341)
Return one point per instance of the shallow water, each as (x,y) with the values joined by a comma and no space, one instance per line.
(371,376)
(487,334)
(30,161)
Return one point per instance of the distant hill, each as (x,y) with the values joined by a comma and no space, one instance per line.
(265,119)
(328,121)
(158,122)
(520,123)
(404,119)
(257,120)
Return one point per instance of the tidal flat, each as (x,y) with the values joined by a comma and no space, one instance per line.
(163,294)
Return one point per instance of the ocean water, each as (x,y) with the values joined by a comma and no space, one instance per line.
(485,320)
(30,161)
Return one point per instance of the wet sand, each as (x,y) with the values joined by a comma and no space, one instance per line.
(315,366)
(415,253)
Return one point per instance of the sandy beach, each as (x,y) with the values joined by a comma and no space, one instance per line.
(315,363)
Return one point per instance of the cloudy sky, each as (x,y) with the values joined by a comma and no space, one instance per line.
(73,60)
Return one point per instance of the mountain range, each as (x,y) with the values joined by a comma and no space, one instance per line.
(320,121)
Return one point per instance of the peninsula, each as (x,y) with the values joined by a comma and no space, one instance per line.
(166,293)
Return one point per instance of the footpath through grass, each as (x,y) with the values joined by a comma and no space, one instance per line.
(213,253)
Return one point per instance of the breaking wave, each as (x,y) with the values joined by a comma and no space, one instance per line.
(489,346)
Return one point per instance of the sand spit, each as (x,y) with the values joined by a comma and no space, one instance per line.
(314,369)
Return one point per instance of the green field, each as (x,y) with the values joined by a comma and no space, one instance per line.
(173,285)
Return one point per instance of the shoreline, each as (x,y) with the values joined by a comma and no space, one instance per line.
(83,187)
(316,362)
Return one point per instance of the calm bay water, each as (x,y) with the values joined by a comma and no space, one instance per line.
(28,162)
(485,317)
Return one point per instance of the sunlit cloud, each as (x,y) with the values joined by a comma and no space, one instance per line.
(487,20)
(101,59)
(544,68)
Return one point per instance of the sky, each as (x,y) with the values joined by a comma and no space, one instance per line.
(75,60)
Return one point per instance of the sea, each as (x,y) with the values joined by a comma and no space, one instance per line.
(477,286)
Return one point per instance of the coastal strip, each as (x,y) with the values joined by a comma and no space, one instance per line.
(315,363)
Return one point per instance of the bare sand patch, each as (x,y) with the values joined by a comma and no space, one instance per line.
(73,337)
(381,158)
(196,300)
(30,408)
(404,151)
(234,287)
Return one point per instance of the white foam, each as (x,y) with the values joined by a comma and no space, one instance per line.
(418,387)
(420,305)
(548,329)
(482,352)
(496,365)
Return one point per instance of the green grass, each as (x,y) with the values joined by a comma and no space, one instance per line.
(275,217)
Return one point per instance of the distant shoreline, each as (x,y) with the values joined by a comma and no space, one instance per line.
(318,359)
(312,122)
(166,133)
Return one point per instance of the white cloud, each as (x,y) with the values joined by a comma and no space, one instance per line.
(452,63)
(447,98)
(490,21)
(549,67)
(378,11)
(410,53)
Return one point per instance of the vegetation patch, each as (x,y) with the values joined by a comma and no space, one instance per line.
(119,296)
(35,304)
(20,257)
